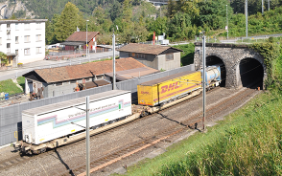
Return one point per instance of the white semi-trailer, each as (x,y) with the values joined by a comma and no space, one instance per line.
(53,125)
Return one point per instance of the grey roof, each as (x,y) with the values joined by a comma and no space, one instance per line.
(23,21)
(73,43)
(74,102)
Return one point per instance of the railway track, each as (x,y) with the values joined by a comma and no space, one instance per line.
(16,160)
(133,148)
(107,158)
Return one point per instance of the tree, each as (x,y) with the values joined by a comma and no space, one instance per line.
(69,20)
(116,10)
(3,59)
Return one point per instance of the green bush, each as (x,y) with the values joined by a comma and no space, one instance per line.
(187,56)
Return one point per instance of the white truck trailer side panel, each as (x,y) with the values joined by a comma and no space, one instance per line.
(57,124)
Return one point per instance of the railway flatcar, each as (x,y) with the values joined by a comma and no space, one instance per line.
(61,123)
(43,127)
(167,89)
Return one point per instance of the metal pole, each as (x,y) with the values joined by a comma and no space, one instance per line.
(87,138)
(86,41)
(114,62)
(227,20)
(204,83)
(262,7)
(246,13)
(268,5)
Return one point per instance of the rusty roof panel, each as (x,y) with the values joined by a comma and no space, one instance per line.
(73,72)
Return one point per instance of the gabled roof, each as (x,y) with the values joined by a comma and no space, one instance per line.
(81,36)
(74,72)
(148,49)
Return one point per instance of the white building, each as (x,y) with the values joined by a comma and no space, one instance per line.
(23,40)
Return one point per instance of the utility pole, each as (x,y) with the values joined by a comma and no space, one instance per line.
(268,5)
(86,44)
(246,14)
(204,82)
(87,138)
(262,7)
(114,61)
(227,20)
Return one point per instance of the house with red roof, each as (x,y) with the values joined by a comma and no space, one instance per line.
(79,39)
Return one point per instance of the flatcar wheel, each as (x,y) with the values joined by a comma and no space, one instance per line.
(36,152)
(43,150)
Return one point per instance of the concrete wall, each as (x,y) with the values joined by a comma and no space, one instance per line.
(231,55)
(169,65)
(11,120)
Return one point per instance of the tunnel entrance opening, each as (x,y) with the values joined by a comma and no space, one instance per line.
(251,72)
(213,60)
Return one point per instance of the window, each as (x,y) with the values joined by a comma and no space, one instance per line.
(38,25)
(38,37)
(8,47)
(132,54)
(17,39)
(17,26)
(26,26)
(99,77)
(27,38)
(38,50)
(169,57)
(8,26)
(59,84)
(17,52)
(27,51)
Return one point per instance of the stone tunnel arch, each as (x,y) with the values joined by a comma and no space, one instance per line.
(216,60)
(251,73)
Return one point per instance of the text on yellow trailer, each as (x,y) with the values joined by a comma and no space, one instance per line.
(161,90)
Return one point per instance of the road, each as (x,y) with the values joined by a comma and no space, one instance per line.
(16,72)
(250,37)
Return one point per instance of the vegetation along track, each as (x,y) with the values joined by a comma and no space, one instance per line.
(152,139)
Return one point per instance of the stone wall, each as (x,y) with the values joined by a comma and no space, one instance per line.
(231,55)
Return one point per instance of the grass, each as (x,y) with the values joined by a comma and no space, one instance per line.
(21,81)
(8,86)
(187,56)
(247,142)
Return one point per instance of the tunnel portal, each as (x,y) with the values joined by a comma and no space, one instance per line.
(251,73)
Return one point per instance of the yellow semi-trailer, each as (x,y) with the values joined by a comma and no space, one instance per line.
(163,90)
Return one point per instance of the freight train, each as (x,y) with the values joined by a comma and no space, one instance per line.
(61,123)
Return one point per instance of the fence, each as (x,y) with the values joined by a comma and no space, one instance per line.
(10,117)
